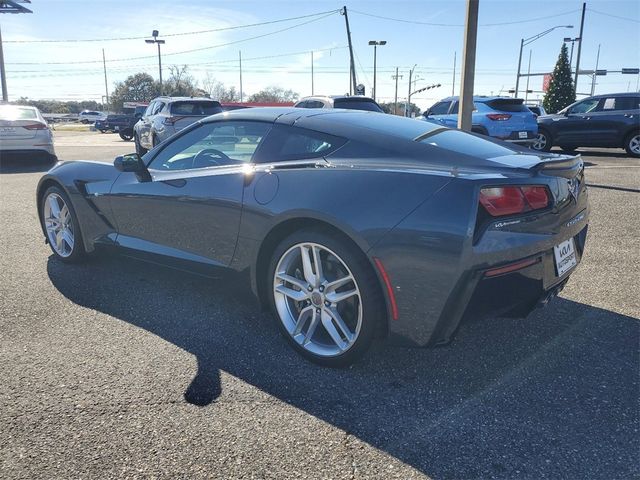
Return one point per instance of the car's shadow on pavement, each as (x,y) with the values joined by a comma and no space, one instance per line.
(24,164)
(551,396)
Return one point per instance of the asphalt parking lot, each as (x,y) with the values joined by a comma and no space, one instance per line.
(122,369)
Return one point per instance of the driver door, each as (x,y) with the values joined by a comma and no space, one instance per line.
(576,128)
(189,205)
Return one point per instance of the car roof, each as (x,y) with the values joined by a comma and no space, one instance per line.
(477,98)
(608,95)
(336,97)
(183,99)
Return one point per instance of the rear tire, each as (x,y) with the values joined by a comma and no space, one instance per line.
(126,136)
(60,222)
(632,144)
(338,330)
(543,141)
(568,149)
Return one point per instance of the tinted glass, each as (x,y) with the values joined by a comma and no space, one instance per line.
(620,103)
(462,142)
(159,106)
(211,145)
(357,104)
(585,106)
(292,143)
(508,105)
(195,108)
(440,108)
(456,105)
(9,112)
(314,104)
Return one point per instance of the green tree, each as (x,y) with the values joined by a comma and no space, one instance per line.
(274,94)
(180,83)
(388,107)
(140,87)
(561,89)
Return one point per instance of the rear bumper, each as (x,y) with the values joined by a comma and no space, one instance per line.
(29,151)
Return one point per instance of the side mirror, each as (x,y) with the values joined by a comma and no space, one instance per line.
(129,163)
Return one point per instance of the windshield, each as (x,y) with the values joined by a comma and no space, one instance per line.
(9,112)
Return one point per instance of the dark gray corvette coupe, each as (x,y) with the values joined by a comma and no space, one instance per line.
(350,224)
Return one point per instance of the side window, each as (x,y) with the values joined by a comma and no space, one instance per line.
(157,108)
(212,145)
(314,104)
(292,143)
(610,104)
(585,106)
(149,109)
(627,103)
(302,104)
(440,108)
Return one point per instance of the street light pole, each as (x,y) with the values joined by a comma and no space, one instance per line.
(159,42)
(527,41)
(375,44)
(406,106)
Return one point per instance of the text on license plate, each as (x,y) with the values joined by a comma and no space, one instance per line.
(565,256)
(7,130)
(522,134)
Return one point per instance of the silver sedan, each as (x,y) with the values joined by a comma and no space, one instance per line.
(23,130)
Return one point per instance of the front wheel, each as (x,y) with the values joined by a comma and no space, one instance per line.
(140,150)
(543,141)
(632,144)
(61,225)
(325,297)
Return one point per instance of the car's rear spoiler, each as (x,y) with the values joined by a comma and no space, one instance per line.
(567,167)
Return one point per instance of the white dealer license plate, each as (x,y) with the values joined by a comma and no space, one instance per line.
(7,130)
(565,255)
(522,134)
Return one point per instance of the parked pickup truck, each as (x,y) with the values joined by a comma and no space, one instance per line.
(122,123)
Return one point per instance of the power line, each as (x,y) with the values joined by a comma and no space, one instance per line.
(181,52)
(198,32)
(432,24)
(613,16)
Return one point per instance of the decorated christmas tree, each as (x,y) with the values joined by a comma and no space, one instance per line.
(561,90)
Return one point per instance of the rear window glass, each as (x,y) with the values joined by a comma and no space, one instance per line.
(357,104)
(8,112)
(195,108)
(462,142)
(508,105)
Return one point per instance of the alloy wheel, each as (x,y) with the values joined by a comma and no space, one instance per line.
(317,299)
(59,225)
(540,142)
(634,144)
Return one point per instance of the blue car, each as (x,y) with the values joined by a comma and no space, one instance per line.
(504,118)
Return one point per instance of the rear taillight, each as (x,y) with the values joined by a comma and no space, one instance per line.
(501,201)
(172,120)
(36,126)
(500,117)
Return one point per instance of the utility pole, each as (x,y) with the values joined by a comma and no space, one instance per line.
(158,42)
(575,81)
(526,91)
(593,78)
(106,84)
(312,72)
(395,100)
(468,65)
(5,94)
(375,44)
(453,89)
(406,106)
(352,65)
(240,61)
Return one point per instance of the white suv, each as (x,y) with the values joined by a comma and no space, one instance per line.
(90,116)
(167,115)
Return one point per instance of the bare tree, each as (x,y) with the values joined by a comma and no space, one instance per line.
(218,91)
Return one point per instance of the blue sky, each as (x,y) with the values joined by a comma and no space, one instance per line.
(30,72)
